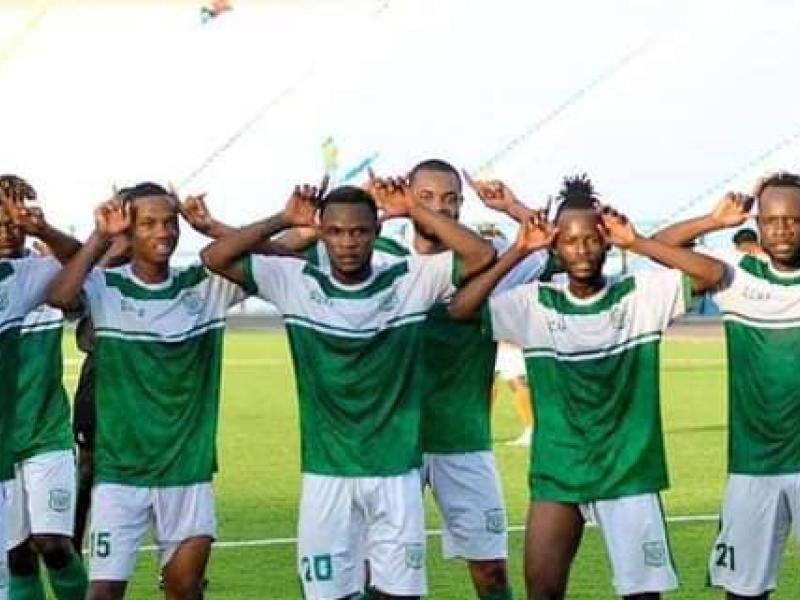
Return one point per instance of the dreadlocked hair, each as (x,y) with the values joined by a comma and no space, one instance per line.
(16,187)
(577,192)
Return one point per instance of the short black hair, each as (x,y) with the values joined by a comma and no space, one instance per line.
(142,190)
(576,193)
(348,194)
(745,236)
(782,179)
(434,164)
(17,185)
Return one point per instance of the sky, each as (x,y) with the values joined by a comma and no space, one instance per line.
(664,103)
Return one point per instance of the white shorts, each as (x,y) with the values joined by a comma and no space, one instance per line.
(42,497)
(122,514)
(345,521)
(636,541)
(3,555)
(467,490)
(509,364)
(757,515)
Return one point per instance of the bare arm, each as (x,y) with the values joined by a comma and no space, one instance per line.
(195,212)
(704,271)
(395,198)
(65,290)
(297,239)
(498,196)
(476,254)
(111,219)
(534,234)
(223,255)
(732,210)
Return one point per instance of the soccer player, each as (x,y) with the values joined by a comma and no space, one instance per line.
(592,346)
(23,285)
(158,353)
(760,302)
(355,334)
(455,373)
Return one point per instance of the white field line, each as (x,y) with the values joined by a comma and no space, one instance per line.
(431,533)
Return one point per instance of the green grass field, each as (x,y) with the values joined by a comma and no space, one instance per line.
(258,484)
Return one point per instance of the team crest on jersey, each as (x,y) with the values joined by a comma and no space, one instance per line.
(655,554)
(618,317)
(3,299)
(191,302)
(129,307)
(415,556)
(495,520)
(60,500)
(389,302)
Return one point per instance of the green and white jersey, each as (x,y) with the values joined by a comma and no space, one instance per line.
(761,312)
(42,422)
(355,349)
(23,286)
(456,369)
(594,364)
(158,358)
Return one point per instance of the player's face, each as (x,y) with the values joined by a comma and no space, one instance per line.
(154,234)
(12,239)
(580,245)
(348,232)
(439,192)
(779,225)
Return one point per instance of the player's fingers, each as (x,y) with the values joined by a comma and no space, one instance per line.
(323,186)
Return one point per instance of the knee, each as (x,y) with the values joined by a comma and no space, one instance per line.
(490,576)
(22,560)
(56,551)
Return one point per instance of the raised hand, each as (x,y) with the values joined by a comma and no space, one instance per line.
(732,210)
(301,208)
(493,193)
(535,233)
(13,194)
(112,217)
(194,211)
(616,227)
(393,195)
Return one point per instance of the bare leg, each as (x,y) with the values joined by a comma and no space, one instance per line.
(183,575)
(552,536)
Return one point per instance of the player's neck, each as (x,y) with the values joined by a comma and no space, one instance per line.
(787,266)
(150,272)
(426,245)
(588,287)
(352,277)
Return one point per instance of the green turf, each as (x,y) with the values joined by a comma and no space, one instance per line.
(257,488)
